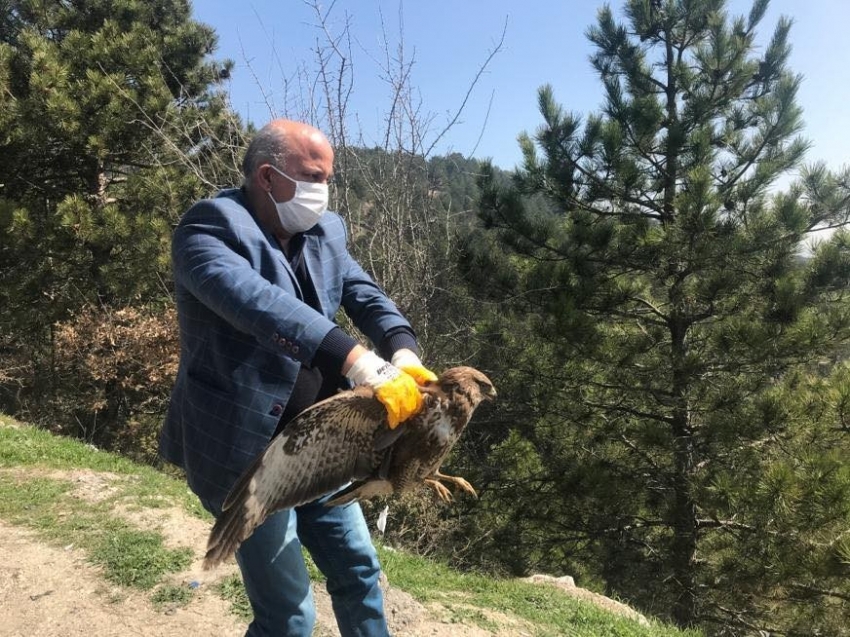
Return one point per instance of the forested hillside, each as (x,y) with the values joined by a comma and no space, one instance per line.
(673,387)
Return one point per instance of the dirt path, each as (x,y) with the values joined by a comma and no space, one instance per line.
(48,591)
(51,592)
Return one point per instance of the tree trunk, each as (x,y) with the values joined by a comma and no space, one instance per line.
(684,518)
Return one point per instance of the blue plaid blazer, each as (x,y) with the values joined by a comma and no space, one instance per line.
(244,331)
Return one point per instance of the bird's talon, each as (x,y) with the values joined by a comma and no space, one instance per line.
(440,489)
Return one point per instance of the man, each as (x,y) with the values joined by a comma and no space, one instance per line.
(260,273)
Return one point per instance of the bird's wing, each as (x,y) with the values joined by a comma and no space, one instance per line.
(319,451)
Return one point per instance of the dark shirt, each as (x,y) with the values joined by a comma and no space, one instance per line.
(311,385)
(319,381)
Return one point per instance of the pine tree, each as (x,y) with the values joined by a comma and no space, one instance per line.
(112,123)
(674,330)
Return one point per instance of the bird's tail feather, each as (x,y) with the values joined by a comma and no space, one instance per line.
(229,531)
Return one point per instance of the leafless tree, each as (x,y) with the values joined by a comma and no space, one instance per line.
(395,223)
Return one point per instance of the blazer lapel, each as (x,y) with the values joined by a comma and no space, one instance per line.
(313,263)
(276,249)
(284,262)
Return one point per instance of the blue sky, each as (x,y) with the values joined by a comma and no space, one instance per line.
(271,40)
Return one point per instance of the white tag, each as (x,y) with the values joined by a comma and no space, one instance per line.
(382,519)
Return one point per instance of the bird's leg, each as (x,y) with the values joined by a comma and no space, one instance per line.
(460,482)
(384,469)
(444,494)
(441,489)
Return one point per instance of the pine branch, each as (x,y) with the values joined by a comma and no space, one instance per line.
(820,591)
(740,618)
(654,310)
(714,523)
(754,156)
(630,411)
(580,203)
(640,452)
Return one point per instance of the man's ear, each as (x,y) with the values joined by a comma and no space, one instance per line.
(264,177)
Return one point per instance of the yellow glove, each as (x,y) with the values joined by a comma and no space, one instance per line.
(401,397)
(409,362)
(396,389)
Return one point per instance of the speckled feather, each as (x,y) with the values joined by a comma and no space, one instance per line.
(345,439)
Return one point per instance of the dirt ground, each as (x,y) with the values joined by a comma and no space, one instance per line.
(48,591)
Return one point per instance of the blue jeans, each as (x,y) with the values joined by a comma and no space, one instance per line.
(276,579)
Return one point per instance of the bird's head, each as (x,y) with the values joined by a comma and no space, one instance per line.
(468,382)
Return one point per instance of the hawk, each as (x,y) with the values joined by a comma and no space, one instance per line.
(345,439)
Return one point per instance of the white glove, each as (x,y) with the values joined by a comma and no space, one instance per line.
(409,362)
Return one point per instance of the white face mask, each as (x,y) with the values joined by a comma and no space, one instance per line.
(303,211)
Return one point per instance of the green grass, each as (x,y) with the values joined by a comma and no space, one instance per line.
(139,559)
(549,610)
(30,447)
(172,596)
(129,556)
(232,590)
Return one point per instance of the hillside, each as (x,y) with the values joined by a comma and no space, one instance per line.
(92,544)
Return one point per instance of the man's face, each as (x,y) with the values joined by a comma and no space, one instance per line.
(310,159)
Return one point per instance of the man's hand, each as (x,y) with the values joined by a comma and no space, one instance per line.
(396,389)
(409,362)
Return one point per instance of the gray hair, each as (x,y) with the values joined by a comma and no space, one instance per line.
(267,147)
